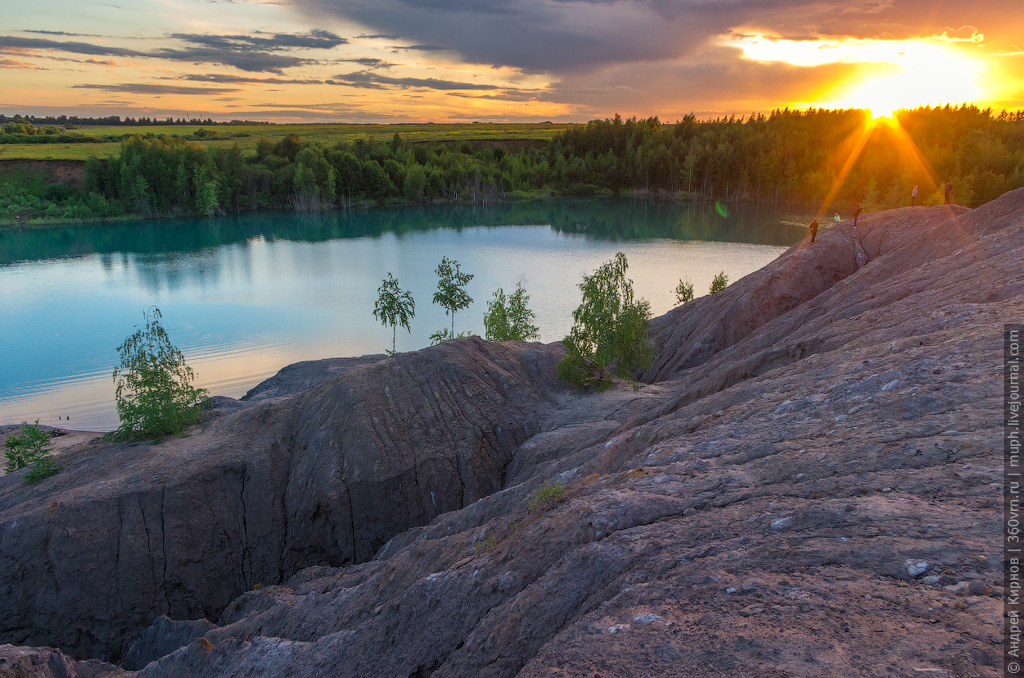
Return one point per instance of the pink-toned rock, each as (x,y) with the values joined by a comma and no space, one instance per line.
(804,436)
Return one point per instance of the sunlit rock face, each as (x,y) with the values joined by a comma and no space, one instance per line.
(811,463)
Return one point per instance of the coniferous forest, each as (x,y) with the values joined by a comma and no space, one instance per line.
(822,158)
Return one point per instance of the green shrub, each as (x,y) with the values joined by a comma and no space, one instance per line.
(44,467)
(24,448)
(544,497)
(154,391)
(487,545)
(684,291)
(30,446)
(610,329)
(719,283)
(446,335)
(509,318)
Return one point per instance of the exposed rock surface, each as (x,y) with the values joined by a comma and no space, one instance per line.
(304,375)
(810,486)
(32,662)
(162,638)
(128,532)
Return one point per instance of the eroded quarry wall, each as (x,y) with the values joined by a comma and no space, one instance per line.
(811,473)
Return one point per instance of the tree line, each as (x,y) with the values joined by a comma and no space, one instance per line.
(786,157)
(70,121)
(799,157)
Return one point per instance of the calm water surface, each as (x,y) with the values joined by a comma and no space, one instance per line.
(244,296)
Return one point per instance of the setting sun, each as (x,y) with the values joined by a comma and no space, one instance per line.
(885,75)
(918,75)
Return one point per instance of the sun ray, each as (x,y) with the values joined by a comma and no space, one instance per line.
(908,148)
(858,139)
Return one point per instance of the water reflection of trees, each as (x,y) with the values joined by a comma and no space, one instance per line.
(604,219)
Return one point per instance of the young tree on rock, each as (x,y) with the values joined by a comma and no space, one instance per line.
(719,283)
(451,290)
(395,307)
(154,391)
(684,291)
(30,446)
(610,328)
(508,318)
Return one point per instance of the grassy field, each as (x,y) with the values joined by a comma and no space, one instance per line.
(246,136)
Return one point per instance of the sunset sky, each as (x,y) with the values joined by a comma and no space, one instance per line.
(514,60)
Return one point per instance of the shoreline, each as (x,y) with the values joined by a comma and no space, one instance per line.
(683,198)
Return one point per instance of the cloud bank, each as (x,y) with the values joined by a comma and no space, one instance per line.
(256,53)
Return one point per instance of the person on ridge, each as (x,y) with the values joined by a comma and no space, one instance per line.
(913,196)
(837,218)
(949,191)
(814,229)
(856,213)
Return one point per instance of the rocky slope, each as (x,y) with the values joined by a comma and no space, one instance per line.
(128,532)
(809,485)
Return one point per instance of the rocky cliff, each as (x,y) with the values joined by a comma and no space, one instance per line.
(809,484)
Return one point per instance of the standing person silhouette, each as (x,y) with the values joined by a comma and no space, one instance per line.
(949,191)
(814,229)
(837,218)
(913,196)
(856,213)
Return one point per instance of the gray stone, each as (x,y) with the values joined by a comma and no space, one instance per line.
(162,638)
(916,568)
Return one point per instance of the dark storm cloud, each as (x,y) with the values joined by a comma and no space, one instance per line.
(368,80)
(550,35)
(258,53)
(575,36)
(149,88)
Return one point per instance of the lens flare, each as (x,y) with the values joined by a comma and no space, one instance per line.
(886,75)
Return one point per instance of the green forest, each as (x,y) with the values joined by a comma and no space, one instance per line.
(812,157)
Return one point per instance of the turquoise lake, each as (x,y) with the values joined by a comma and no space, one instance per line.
(244,296)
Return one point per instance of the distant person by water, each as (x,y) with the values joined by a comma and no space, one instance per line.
(949,191)
(814,229)
(913,196)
